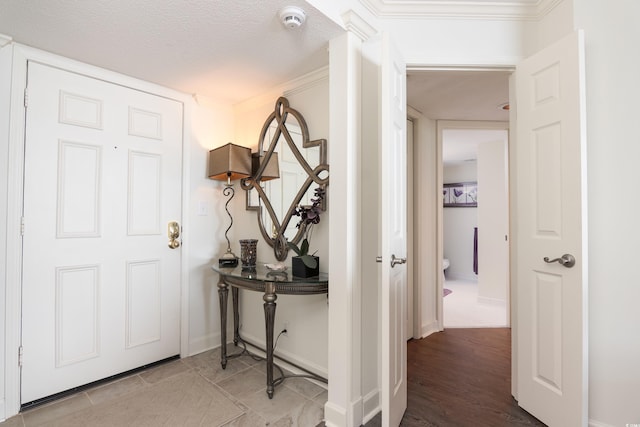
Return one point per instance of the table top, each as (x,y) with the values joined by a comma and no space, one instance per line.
(284,282)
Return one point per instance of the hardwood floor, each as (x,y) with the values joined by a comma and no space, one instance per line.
(462,377)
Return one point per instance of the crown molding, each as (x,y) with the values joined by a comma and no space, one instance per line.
(479,9)
(358,25)
(5,40)
(286,89)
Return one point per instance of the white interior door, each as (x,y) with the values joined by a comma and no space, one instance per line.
(393,183)
(551,221)
(101,287)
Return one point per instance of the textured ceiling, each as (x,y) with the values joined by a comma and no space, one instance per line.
(459,95)
(227,50)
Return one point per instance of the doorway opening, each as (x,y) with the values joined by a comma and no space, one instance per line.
(474,223)
(455,112)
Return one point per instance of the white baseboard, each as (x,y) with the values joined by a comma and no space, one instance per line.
(370,406)
(205,343)
(492,301)
(429,329)
(356,413)
(334,415)
(294,358)
(594,423)
(454,275)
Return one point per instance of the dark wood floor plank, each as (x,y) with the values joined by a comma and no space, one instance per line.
(462,377)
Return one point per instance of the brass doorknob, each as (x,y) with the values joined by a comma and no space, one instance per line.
(173,231)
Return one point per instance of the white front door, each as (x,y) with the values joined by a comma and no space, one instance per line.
(101,287)
(393,184)
(551,205)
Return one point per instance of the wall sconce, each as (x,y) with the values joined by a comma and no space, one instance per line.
(229,163)
(270,171)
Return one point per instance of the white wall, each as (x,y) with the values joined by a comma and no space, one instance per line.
(425,211)
(306,316)
(434,39)
(493,222)
(458,225)
(370,243)
(613,150)
(210,127)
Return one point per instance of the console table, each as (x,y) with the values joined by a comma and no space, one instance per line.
(271,283)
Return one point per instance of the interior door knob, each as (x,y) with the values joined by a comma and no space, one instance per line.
(566,260)
(395,261)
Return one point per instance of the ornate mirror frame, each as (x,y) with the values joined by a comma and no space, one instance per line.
(276,239)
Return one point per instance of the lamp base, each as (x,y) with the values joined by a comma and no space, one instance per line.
(228,262)
(229,259)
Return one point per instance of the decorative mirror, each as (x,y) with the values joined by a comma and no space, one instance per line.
(301,163)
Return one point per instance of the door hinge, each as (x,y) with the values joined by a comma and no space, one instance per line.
(26,97)
(22,226)
(20,356)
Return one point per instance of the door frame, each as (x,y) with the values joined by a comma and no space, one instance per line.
(441,125)
(13,303)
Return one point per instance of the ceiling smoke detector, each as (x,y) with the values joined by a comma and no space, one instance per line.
(292,17)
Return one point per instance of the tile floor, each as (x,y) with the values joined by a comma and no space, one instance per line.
(463,310)
(194,391)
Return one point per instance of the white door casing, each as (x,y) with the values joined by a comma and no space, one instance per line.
(393,190)
(551,204)
(101,287)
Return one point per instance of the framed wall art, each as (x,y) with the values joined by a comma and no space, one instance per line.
(460,195)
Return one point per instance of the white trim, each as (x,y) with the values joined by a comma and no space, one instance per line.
(519,10)
(344,340)
(5,40)
(429,329)
(13,301)
(493,301)
(186,225)
(414,251)
(205,343)
(334,415)
(292,357)
(489,67)
(358,26)
(306,82)
(13,311)
(413,288)
(594,423)
(288,88)
(370,406)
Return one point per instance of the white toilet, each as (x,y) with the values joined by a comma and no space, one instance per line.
(445,265)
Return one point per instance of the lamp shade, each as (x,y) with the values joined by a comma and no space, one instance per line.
(229,162)
(271,171)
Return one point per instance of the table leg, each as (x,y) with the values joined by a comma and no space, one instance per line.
(236,316)
(223,295)
(269,318)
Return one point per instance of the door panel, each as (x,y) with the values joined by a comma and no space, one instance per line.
(394,233)
(101,287)
(551,221)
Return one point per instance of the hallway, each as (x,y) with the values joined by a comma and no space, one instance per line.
(461,378)
(463,308)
